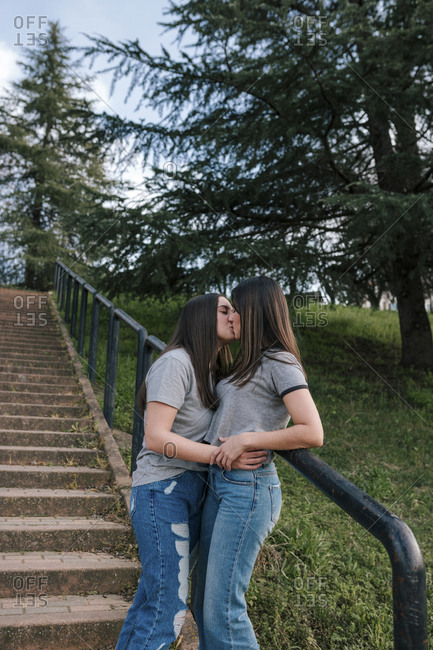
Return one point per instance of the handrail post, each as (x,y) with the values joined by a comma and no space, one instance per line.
(63,278)
(82,323)
(138,434)
(68,298)
(93,342)
(138,423)
(111,368)
(56,273)
(74,307)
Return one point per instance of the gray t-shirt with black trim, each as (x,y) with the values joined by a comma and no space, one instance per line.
(171,380)
(258,405)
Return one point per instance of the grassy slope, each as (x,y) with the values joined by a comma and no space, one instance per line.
(321,580)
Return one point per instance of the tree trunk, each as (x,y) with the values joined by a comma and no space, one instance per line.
(416,336)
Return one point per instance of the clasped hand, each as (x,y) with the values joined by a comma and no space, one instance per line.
(232,454)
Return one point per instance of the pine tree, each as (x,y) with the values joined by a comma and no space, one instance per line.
(53,182)
(302,137)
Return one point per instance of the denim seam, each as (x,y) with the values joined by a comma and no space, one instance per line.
(246,526)
(152,509)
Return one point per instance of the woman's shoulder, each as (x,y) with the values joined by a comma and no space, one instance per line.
(174,357)
(277,355)
(180,354)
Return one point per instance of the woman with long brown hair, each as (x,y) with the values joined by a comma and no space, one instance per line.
(170,480)
(267,386)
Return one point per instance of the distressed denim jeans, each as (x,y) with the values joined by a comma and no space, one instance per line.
(240,510)
(166,518)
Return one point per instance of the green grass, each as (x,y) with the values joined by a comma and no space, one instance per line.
(321,580)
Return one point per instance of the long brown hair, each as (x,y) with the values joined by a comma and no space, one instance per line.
(196,332)
(265,325)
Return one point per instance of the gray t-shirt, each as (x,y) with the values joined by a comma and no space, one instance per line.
(171,380)
(258,405)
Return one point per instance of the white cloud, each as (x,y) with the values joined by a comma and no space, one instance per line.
(9,69)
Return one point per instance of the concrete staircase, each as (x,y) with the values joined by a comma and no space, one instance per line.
(63,534)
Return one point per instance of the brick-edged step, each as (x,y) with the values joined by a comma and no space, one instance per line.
(25,438)
(12,328)
(7,347)
(65,573)
(12,455)
(42,476)
(43,410)
(10,397)
(46,502)
(62,534)
(15,365)
(21,339)
(36,423)
(23,356)
(37,378)
(27,369)
(66,622)
(60,388)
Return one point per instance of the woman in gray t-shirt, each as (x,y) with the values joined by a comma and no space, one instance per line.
(170,480)
(267,386)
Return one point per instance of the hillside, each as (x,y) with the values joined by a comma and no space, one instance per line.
(322,582)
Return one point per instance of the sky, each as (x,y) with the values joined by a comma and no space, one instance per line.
(23,23)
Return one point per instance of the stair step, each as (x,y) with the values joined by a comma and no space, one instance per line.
(44,476)
(25,328)
(42,410)
(38,378)
(36,423)
(13,346)
(59,388)
(62,534)
(22,574)
(15,437)
(45,502)
(30,338)
(25,355)
(12,455)
(31,371)
(16,365)
(69,622)
(10,397)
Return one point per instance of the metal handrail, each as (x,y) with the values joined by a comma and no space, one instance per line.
(146,345)
(408,569)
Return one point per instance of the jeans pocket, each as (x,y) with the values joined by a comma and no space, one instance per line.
(133,502)
(238,476)
(276,501)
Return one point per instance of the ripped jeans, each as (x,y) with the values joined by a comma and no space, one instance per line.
(166,517)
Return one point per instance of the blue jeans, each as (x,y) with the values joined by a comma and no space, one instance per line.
(166,518)
(240,510)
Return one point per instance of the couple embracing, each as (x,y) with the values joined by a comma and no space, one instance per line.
(205,476)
